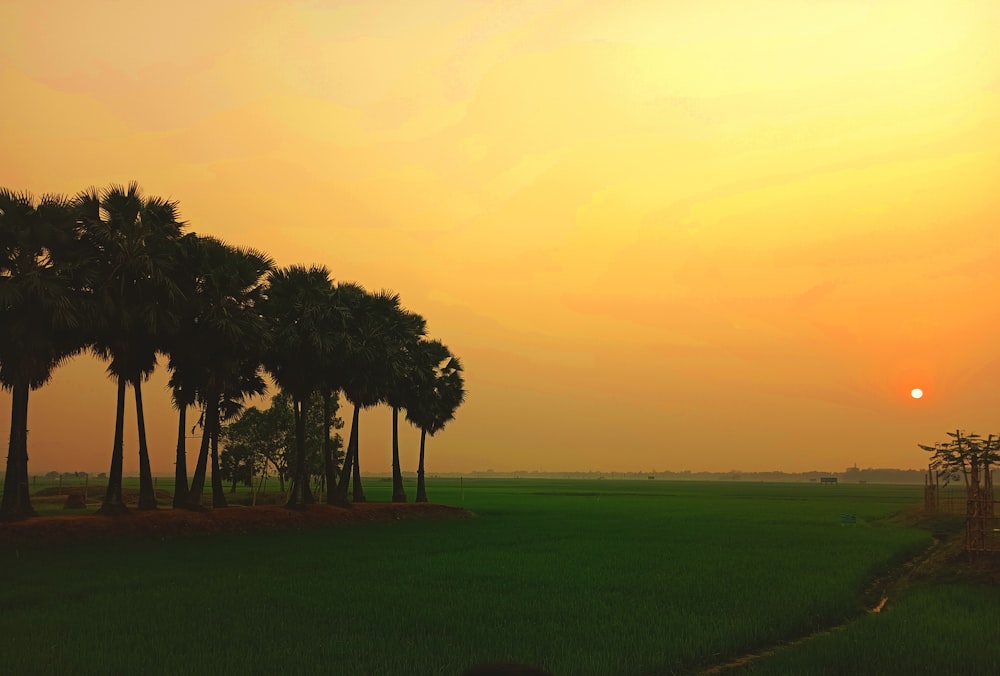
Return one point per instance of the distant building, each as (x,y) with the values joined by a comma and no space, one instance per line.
(828,479)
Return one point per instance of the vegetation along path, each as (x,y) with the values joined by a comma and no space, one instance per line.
(942,561)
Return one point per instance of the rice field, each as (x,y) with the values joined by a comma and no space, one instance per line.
(575,577)
(946,629)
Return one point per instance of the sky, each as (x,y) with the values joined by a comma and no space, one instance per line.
(687,235)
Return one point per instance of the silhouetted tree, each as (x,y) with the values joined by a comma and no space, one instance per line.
(233,337)
(408,329)
(268,433)
(236,464)
(968,456)
(437,389)
(133,241)
(111,270)
(345,300)
(41,277)
(297,306)
(269,436)
(375,334)
(184,353)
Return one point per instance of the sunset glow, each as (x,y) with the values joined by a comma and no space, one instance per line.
(670,235)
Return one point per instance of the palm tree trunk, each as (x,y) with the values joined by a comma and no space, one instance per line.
(180,464)
(299,494)
(200,470)
(329,467)
(307,494)
(23,495)
(340,495)
(358,494)
(421,490)
(201,467)
(147,497)
(295,488)
(218,493)
(113,501)
(398,492)
(16,501)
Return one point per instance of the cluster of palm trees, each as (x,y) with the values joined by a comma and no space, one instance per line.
(113,272)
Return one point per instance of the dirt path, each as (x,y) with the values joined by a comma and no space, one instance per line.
(875,597)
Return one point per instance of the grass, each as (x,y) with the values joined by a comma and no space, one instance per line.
(942,629)
(578,577)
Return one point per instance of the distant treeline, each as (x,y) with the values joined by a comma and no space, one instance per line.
(855,475)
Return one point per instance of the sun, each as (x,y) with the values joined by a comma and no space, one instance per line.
(916,393)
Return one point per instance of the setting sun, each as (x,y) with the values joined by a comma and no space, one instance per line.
(916,393)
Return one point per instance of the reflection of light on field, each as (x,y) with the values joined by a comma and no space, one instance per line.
(881,605)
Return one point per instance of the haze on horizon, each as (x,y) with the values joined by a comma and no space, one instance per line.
(685,235)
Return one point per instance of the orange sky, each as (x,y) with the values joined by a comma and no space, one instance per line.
(672,235)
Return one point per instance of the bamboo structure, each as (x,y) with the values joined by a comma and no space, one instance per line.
(982,528)
(971,457)
(932,490)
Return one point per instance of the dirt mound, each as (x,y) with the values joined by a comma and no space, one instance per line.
(130,495)
(78,498)
(172,523)
(75,501)
(51,491)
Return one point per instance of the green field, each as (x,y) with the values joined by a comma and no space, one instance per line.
(577,577)
(947,629)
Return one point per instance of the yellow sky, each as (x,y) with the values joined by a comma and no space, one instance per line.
(661,235)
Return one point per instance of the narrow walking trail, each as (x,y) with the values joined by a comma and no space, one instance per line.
(875,596)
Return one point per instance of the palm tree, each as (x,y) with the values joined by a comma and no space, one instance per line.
(297,306)
(185,357)
(229,337)
(437,390)
(345,299)
(134,242)
(331,440)
(375,335)
(40,294)
(408,329)
(183,397)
